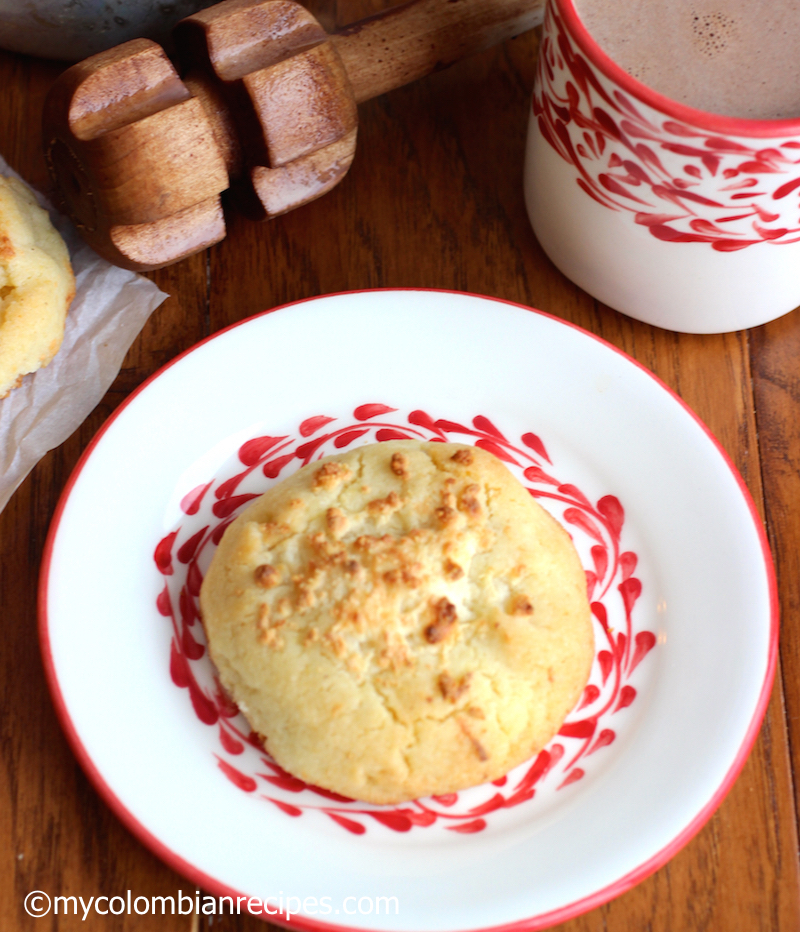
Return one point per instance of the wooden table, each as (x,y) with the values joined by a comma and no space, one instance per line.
(434,199)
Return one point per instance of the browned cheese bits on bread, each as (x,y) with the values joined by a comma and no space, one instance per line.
(36,285)
(400,620)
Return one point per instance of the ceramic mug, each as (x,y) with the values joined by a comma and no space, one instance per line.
(680,218)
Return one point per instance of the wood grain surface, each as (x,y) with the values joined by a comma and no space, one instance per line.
(433,199)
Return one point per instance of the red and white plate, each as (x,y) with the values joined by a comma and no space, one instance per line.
(678,569)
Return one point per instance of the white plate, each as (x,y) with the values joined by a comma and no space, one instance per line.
(684,664)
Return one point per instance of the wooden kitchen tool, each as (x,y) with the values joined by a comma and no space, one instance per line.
(265,107)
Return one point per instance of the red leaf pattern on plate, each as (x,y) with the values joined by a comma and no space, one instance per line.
(645,641)
(227,707)
(227,506)
(232,745)
(600,613)
(590,694)
(191,649)
(500,452)
(307,450)
(248,784)
(621,646)
(312,424)
(178,667)
(227,488)
(365,412)
(272,468)
(497,801)
(535,443)
(612,511)
(579,518)
(193,578)
(421,419)
(606,662)
(535,474)
(292,784)
(186,551)
(163,602)
(285,807)
(572,776)
(627,562)
(484,425)
(390,433)
(572,491)
(252,452)
(216,536)
(600,557)
(584,729)
(448,799)
(397,821)
(350,824)
(468,828)
(203,705)
(451,427)
(163,554)
(343,440)
(190,503)
(605,738)
(631,589)
(626,696)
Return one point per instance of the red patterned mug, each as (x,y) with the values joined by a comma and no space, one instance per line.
(680,218)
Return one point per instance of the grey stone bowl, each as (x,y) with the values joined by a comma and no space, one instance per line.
(70,30)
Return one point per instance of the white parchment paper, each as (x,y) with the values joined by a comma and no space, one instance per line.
(111,306)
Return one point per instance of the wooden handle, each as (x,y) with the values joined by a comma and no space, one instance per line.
(265,113)
(407,42)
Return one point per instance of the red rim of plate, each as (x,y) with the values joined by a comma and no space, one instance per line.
(712,122)
(533,923)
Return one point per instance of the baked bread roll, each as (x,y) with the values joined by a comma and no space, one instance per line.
(400,620)
(36,285)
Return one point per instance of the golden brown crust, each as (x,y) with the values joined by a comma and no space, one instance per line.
(400,620)
(36,285)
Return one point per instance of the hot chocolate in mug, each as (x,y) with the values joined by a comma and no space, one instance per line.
(675,215)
